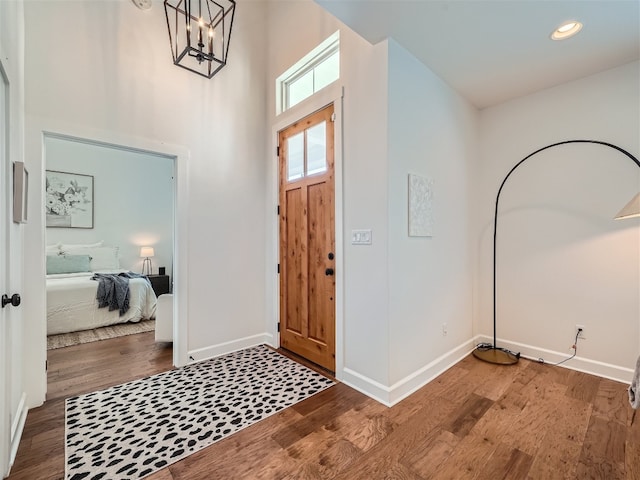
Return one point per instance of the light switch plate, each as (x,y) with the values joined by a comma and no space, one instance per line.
(361,237)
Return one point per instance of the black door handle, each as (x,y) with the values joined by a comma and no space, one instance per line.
(14,300)
(328,272)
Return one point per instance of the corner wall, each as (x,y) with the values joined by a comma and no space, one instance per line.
(296,28)
(562,259)
(433,132)
(398,118)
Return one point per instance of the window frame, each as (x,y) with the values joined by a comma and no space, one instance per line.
(308,63)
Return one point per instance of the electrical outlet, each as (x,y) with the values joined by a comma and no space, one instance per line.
(582,332)
(444,330)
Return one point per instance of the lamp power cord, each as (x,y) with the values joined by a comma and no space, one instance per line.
(575,351)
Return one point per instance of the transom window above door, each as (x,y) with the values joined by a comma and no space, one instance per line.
(307,152)
(312,73)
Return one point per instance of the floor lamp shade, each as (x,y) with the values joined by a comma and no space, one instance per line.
(631,209)
(491,352)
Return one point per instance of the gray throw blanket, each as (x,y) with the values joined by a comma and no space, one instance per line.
(113,290)
(634,394)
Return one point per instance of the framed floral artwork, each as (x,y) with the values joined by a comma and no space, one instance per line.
(69,200)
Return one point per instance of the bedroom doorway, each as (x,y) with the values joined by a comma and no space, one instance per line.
(119,204)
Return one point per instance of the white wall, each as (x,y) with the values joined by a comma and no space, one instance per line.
(133,200)
(398,118)
(296,27)
(562,260)
(398,291)
(432,133)
(105,67)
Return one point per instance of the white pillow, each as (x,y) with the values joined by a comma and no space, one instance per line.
(102,258)
(78,245)
(53,249)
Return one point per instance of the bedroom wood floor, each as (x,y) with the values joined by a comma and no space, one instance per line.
(476,421)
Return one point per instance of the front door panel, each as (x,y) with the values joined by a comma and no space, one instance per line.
(307,238)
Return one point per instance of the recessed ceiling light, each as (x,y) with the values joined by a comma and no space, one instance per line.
(566,30)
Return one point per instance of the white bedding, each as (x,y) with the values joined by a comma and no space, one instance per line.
(72,304)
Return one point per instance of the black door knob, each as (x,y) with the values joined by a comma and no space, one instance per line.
(328,272)
(14,300)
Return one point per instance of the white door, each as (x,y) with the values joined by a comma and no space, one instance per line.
(12,397)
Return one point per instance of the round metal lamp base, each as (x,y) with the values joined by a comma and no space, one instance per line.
(496,355)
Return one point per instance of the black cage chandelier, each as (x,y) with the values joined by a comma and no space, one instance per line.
(199,33)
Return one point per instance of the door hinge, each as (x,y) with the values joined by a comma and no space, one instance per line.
(278,150)
(278,327)
(278,210)
(278,268)
(46,365)
(333,117)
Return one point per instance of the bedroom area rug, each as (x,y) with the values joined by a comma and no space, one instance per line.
(103,333)
(135,429)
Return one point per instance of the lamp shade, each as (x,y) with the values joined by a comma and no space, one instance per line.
(631,209)
(146,252)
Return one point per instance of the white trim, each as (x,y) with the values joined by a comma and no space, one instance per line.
(16,428)
(306,64)
(5,188)
(213,351)
(580,364)
(389,396)
(180,260)
(332,94)
(180,155)
(366,385)
(339,231)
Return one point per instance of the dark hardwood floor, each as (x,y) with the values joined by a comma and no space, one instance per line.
(475,421)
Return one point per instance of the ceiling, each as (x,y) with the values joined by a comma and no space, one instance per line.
(491,51)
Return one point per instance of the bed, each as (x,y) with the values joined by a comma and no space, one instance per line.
(71,295)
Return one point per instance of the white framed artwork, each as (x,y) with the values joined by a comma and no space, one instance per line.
(69,200)
(420,206)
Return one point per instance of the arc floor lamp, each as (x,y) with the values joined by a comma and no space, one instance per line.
(492,353)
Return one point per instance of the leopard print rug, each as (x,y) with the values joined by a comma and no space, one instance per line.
(132,430)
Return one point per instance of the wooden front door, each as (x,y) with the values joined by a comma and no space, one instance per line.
(307,238)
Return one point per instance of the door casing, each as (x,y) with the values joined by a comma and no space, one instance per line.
(13,400)
(36,332)
(331,94)
(307,302)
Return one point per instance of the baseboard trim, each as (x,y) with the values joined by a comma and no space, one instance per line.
(17,427)
(580,364)
(228,347)
(366,385)
(395,393)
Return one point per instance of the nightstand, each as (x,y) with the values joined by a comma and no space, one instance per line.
(160,284)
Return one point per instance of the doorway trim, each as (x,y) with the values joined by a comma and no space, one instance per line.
(11,373)
(331,94)
(180,156)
